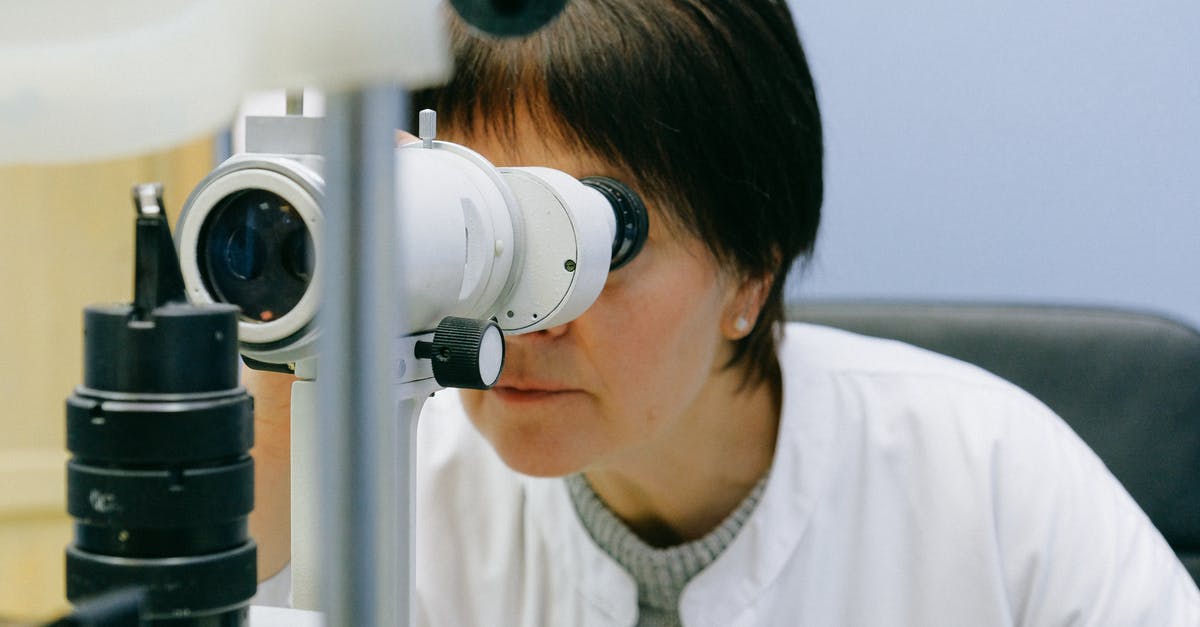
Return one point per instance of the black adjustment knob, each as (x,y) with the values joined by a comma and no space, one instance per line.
(465,353)
(630,212)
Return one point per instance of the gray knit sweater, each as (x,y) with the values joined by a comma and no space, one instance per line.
(660,574)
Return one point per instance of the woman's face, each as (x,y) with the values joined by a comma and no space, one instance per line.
(607,386)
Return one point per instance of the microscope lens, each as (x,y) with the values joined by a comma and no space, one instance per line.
(244,254)
(256,253)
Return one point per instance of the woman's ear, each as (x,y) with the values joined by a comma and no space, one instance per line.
(745,304)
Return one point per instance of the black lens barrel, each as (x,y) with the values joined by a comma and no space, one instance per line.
(633,224)
(161,482)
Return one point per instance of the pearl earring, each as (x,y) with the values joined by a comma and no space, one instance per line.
(741,324)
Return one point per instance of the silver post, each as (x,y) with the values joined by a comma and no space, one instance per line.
(364,534)
(427,127)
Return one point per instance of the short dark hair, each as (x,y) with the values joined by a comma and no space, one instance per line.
(708,103)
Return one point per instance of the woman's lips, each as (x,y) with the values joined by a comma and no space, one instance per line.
(510,394)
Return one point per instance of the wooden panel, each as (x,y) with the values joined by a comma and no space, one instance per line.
(34,528)
(66,241)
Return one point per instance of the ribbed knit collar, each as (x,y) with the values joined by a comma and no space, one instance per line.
(660,573)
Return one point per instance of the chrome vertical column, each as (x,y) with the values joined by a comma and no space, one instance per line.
(362,528)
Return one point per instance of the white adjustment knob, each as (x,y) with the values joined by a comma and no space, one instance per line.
(427,126)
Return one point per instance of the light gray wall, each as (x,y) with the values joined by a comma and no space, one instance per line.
(1026,150)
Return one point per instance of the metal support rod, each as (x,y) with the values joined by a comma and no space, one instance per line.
(364,534)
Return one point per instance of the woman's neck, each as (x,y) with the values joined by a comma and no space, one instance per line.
(684,483)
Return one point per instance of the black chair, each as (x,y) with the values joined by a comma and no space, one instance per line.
(1128,383)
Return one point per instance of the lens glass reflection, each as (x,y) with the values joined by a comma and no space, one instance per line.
(257,253)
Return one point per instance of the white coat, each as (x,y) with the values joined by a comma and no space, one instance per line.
(907,489)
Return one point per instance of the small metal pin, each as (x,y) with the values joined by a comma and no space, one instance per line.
(147,198)
(427,126)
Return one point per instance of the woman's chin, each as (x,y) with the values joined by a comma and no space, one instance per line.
(539,468)
(537,450)
(537,454)
(550,437)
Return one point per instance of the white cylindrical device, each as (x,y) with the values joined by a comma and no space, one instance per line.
(527,247)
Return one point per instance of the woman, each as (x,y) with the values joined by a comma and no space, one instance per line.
(676,454)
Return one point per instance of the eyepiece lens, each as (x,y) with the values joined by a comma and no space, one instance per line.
(256,253)
(629,211)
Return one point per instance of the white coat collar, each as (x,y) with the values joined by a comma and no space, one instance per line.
(607,592)
(798,480)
